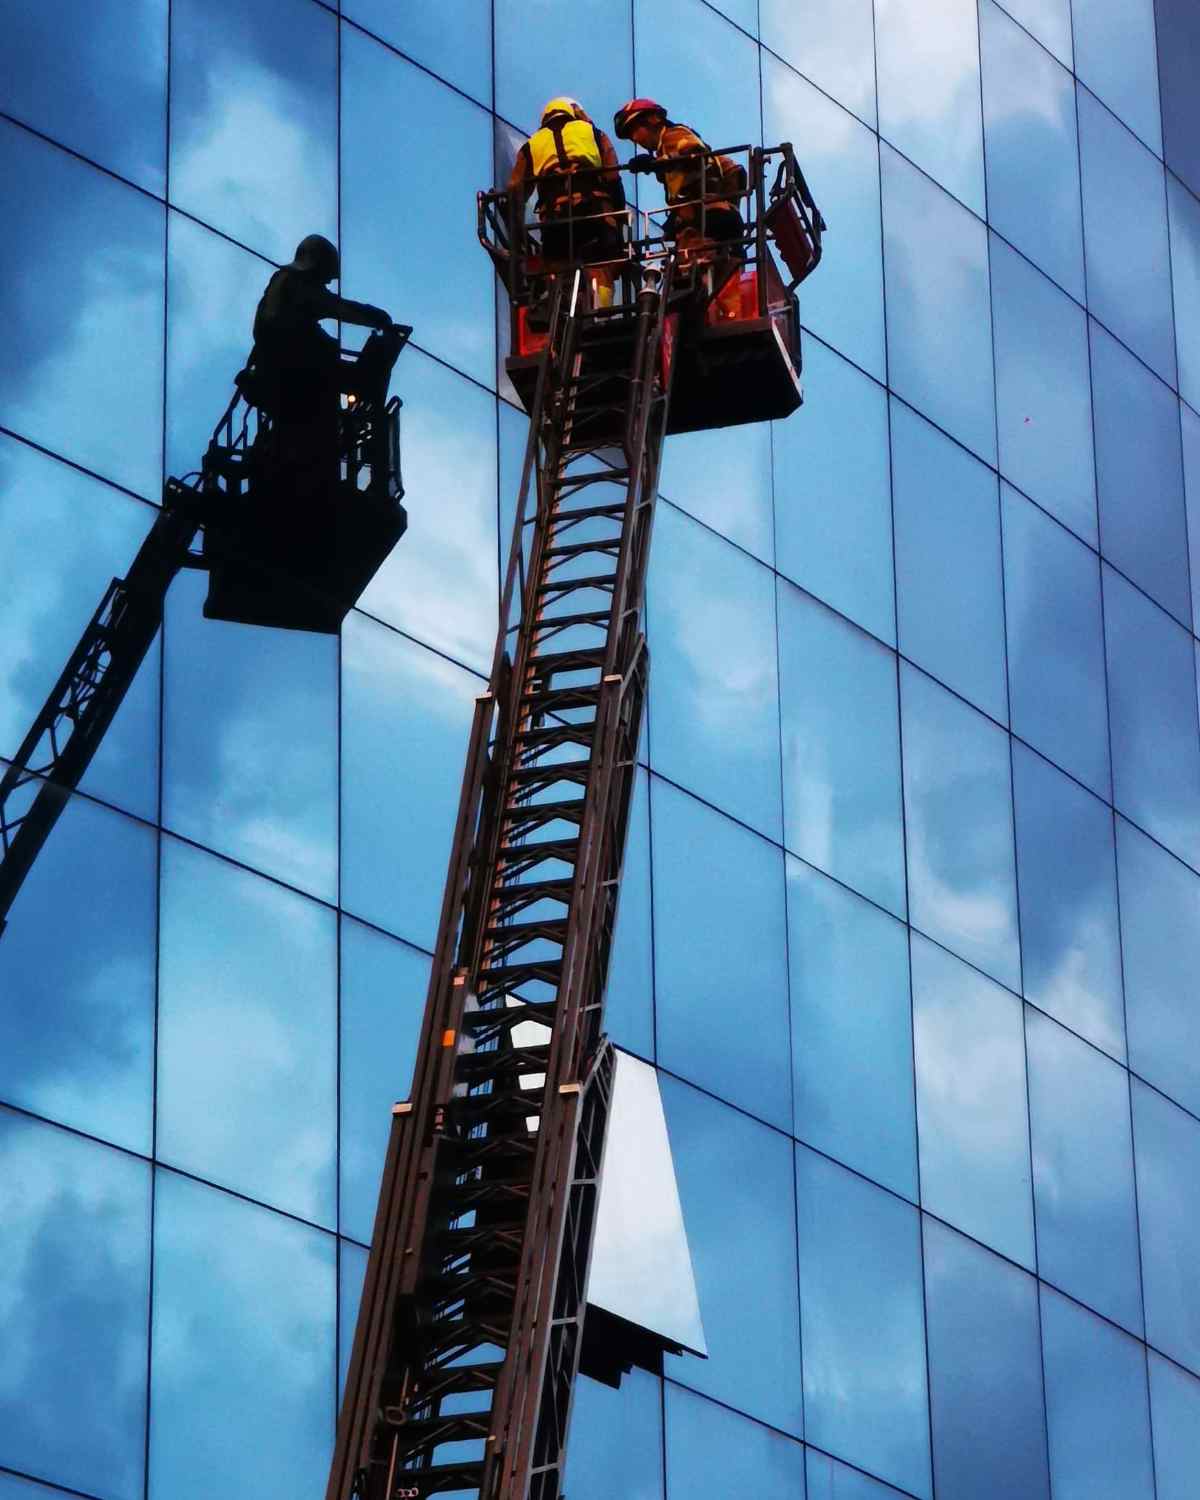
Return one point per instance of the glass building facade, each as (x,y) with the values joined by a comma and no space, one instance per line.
(911,915)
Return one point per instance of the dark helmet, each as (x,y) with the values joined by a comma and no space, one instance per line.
(318,256)
(629,114)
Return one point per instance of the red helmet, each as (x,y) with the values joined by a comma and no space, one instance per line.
(630,113)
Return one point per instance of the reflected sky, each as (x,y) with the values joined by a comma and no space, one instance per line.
(927,53)
(542,45)
(77,1033)
(723,478)
(49,596)
(840,159)
(454,39)
(352,1272)
(12,1488)
(629,992)
(246,1036)
(1191,478)
(830,41)
(714,704)
(406,714)
(68,315)
(720,956)
(1049,21)
(703,69)
(93,74)
(616,1441)
(1183,213)
(254,119)
(243,1352)
(1083,1172)
(1175,1404)
(958,812)
(1032,148)
(1115,56)
(939,308)
(830,1480)
(1167,1143)
(972,1116)
(255,775)
(752,1460)
(1070,945)
(862,1316)
(841,749)
(74,1290)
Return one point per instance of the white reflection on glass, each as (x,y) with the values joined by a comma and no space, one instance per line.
(1175,1404)
(928,59)
(1032,149)
(75,1232)
(254,119)
(958,811)
(840,157)
(701,67)
(243,1348)
(641,1267)
(1167,1146)
(1083,1172)
(1115,55)
(246,1066)
(1184,215)
(1049,21)
(68,313)
(830,41)
(939,328)
(723,478)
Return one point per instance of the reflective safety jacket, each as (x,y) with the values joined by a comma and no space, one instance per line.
(684,182)
(567,146)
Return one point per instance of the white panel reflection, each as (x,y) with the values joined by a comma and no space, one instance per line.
(641,1266)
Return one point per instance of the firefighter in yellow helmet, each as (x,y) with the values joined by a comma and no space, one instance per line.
(712,232)
(573,168)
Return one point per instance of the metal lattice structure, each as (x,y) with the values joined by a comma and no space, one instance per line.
(469,1335)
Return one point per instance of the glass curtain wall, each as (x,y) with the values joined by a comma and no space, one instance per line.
(911,919)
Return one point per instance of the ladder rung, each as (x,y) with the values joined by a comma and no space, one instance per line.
(591,581)
(550,771)
(539,850)
(570,810)
(564,622)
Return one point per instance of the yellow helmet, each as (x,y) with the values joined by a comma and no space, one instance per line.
(563,105)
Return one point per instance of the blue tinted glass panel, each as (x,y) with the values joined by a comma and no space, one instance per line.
(833,499)
(989,1435)
(958,809)
(714,704)
(541,43)
(455,39)
(736,1189)
(12,1488)
(863,1318)
(1184,215)
(1067,877)
(389,260)
(244,1331)
(93,74)
(753,1459)
(69,316)
(1178,24)
(629,994)
(254,775)
(949,578)
(75,1248)
(1167,1143)
(939,307)
(440,583)
(1043,392)
(702,67)
(1115,56)
(616,1445)
(1191,478)
(841,749)
(1160,937)
(830,41)
(972,1115)
(1083,1172)
(213,288)
(851,1030)
(1152,711)
(1049,21)
(1175,1407)
(77,1038)
(723,478)
(830,1480)
(1032,149)
(254,119)
(720,955)
(1139,476)
(246,1037)
(840,157)
(1056,684)
(928,62)
(63,538)
(352,1271)
(1097,1410)
(406,714)
(1128,272)
(383,997)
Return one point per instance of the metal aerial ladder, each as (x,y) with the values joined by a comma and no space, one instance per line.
(270,560)
(471,1321)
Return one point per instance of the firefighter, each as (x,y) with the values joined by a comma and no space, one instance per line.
(696,229)
(296,366)
(579,216)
